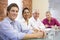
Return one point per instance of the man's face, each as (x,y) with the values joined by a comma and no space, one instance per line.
(12,14)
(26,14)
(48,15)
(36,15)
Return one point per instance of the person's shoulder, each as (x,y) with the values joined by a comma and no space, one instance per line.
(54,18)
(22,20)
(0,22)
(5,20)
(4,24)
(44,19)
(31,19)
(17,22)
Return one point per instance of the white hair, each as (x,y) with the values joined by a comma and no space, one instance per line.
(36,10)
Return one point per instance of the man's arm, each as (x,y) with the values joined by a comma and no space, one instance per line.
(34,35)
(10,32)
(57,23)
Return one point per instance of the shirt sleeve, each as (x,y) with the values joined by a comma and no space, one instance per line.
(30,24)
(57,23)
(44,21)
(30,31)
(10,32)
(41,25)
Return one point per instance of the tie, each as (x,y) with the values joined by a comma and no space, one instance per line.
(14,25)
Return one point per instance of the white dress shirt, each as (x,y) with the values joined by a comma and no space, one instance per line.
(37,24)
(25,25)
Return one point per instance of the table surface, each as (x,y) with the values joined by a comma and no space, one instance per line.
(52,35)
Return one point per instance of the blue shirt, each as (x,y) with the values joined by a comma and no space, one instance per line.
(12,32)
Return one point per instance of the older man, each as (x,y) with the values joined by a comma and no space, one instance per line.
(35,22)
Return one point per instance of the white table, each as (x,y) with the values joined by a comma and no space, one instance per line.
(52,34)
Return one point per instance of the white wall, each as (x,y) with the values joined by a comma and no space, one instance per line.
(54,7)
(42,5)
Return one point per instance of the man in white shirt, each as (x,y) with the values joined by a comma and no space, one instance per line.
(34,21)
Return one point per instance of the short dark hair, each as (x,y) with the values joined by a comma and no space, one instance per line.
(12,5)
(24,10)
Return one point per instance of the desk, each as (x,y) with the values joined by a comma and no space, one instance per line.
(52,34)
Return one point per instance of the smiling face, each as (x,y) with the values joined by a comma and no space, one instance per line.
(48,15)
(12,14)
(36,14)
(26,14)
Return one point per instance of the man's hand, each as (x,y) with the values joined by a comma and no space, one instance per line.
(46,26)
(39,35)
(35,30)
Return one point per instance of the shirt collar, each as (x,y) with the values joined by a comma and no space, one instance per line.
(24,20)
(34,19)
(51,19)
(9,20)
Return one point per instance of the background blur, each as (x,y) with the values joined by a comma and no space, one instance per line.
(42,5)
